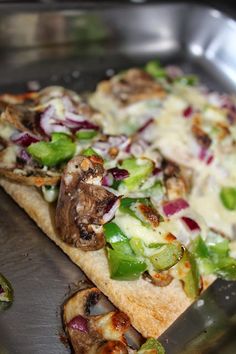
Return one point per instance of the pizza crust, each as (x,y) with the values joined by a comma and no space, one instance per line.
(151,309)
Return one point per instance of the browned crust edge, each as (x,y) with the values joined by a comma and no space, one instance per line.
(151,309)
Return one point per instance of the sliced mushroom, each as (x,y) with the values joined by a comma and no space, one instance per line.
(12,168)
(176,184)
(132,86)
(22,118)
(200,135)
(82,203)
(88,333)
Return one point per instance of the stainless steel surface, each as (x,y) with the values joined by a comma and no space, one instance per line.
(75,48)
(40,275)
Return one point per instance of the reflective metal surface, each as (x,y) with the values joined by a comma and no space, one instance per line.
(77,48)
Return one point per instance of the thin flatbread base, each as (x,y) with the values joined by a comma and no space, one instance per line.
(151,309)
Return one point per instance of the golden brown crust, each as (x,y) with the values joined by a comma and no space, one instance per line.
(151,309)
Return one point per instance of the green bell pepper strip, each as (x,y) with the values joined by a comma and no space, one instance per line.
(166,255)
(228,197)
(58,150)
(137,246)
(130,206)
(189,274)
(86,134)
(124,266)
(127,205)
(154,68)
(6,291)
(215,259)
(113,233)
(201,252)
(151,346)
(89,152)
(139,170)
(116,238)
(123,262)
(190,80)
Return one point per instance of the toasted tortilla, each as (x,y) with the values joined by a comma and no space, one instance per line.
(151,309)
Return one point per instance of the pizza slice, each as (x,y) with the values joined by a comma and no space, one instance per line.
(122,216)
(189,124)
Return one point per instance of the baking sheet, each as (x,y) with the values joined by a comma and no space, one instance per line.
(77,48)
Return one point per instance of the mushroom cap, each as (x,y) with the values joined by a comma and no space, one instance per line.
(89,333)
(82,203)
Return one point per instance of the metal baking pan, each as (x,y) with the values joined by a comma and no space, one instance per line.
(76,46)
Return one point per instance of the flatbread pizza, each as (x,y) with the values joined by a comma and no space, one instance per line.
(114,201)
(188,123)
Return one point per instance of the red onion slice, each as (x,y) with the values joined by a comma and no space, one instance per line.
(202,154)
(210,159)
(112,210)
(50,124)
(23,155)
(80,124)
(190,223)
(79,323)
(119,173)
(145,125)
(73,117)
(173,71)
(156,171)
(107,180)
(174,206)
(45,119)
(24,139)
(187,113)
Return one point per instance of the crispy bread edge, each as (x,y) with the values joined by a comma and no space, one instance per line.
(151,309)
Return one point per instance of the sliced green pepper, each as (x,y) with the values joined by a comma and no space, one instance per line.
(113,233)
(151,346)
(6,292)
(189,274)
(123,262)
(190,80)
(228,197)
(154,68)
(213,256)
(124,266)
(226,268)
(137,246)
(166,255)
(86,134)
(139,170)
(89,152)
(127,205)
(134,206)
(58,150)
(116,238)
(201,253)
